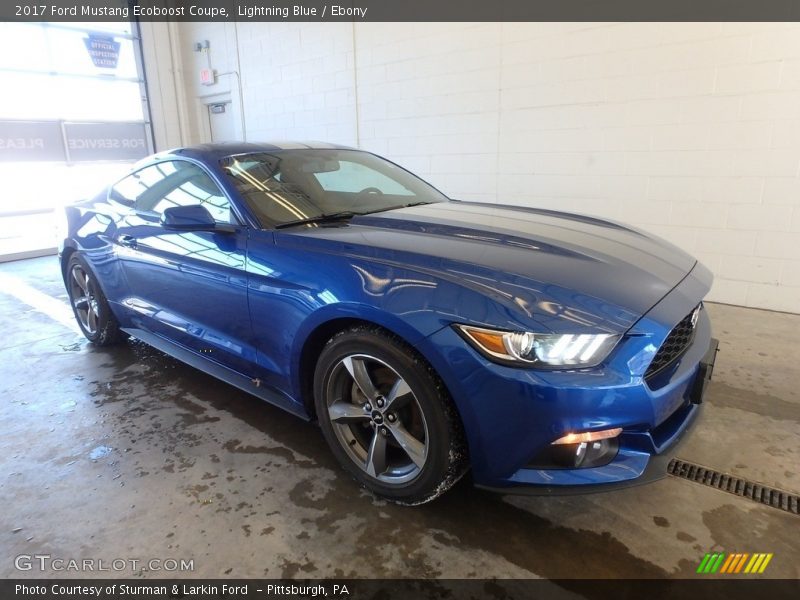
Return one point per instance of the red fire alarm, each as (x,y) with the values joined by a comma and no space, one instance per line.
(208,77)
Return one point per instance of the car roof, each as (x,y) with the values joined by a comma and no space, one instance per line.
(216,151)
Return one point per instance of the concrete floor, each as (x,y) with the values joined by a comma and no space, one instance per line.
(126,453)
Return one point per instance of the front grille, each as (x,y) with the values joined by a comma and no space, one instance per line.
(674,346)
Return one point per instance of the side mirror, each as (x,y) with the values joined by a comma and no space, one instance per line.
(188,218)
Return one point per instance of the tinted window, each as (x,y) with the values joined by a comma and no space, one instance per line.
(126,190)
(172,183)
(285,186)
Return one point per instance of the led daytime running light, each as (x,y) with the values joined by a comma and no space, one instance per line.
(589,436)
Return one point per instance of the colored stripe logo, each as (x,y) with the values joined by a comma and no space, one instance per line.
(737,562)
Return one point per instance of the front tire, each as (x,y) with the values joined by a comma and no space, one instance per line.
(90,306)
(387,416)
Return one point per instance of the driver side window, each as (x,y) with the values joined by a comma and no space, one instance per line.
(174,183)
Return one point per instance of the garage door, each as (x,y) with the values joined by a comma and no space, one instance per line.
(73,115)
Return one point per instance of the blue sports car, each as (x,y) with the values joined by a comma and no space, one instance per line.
(543,350)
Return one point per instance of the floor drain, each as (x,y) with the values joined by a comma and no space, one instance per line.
(735,485)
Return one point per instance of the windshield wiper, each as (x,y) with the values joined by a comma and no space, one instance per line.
(345,214)
(324,218)
(398,207)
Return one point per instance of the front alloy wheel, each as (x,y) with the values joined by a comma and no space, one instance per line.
(377,419)
(387,417)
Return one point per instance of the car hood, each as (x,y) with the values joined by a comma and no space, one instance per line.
(541,262)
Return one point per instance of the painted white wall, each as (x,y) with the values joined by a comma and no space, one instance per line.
(691,131)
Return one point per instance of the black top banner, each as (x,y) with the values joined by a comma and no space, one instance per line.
(399,10)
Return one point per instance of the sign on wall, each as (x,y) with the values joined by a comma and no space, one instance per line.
(31,141)
(105,141)
(71,142)
(103,50)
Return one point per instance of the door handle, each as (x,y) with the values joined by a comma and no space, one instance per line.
(127,240)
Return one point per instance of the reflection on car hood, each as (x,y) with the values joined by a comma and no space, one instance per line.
(581,261)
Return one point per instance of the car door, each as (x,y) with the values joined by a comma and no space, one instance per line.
(187,286)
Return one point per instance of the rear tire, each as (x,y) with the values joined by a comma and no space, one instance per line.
(387,416)
(90,306)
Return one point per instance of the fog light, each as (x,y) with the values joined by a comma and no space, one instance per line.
(589,436)
(584,454)
(579,451)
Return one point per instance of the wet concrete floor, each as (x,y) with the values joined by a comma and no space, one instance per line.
(125,453)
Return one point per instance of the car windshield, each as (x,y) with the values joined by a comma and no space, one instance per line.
(293,186)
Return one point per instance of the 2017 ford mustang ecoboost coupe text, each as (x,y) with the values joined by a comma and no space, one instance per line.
(547,351)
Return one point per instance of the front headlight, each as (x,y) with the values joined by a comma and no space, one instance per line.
(544,349)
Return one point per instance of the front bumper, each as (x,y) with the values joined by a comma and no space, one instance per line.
(511,415)
(656,465)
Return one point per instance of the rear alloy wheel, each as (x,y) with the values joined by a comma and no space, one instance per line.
(387,417)
(90,306)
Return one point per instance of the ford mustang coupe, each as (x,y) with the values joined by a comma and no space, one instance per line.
(546,351)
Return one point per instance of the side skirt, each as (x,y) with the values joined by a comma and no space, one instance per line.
(227,375)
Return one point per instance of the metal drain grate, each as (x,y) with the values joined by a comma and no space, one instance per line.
(735,485)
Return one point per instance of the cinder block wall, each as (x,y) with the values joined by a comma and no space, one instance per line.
(691,131)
